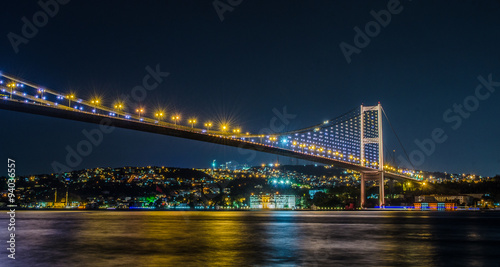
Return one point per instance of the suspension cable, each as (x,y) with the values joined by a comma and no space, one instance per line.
(397,137)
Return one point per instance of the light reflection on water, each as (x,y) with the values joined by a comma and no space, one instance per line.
(254,238)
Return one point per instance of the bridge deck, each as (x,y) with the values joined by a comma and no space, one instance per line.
(40,109)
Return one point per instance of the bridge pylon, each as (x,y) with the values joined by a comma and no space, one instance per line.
(371,134)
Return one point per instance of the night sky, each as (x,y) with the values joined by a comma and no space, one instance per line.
(264,55)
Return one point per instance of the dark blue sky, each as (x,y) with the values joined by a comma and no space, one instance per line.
(263,55)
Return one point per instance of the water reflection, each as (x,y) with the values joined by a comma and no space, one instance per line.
(149,238)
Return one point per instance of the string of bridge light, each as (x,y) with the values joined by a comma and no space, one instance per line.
(42,95)
(341,153)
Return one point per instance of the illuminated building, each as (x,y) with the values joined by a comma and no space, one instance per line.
(272,201)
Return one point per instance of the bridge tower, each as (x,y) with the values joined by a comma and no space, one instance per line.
(371,134)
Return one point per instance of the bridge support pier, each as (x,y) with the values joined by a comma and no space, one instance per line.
(381,194)
(373,176)
(363,194)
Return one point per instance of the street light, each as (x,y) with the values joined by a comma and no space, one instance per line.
(224,127)
(175,118)
(40,90)
(95,102)
(159,115)
(119,107)
(11,86)
(70,97)
(140,111)
(237,130)
(208,125)
(302,146)
(192,122)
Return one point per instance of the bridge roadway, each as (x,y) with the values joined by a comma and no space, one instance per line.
(184,132)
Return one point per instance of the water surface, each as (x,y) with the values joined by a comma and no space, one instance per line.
(254,238)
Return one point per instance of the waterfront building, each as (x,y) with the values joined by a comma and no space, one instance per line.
(272,201)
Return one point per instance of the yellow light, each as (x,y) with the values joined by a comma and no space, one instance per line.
(119,105)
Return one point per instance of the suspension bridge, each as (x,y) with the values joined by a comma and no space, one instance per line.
(353,140)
